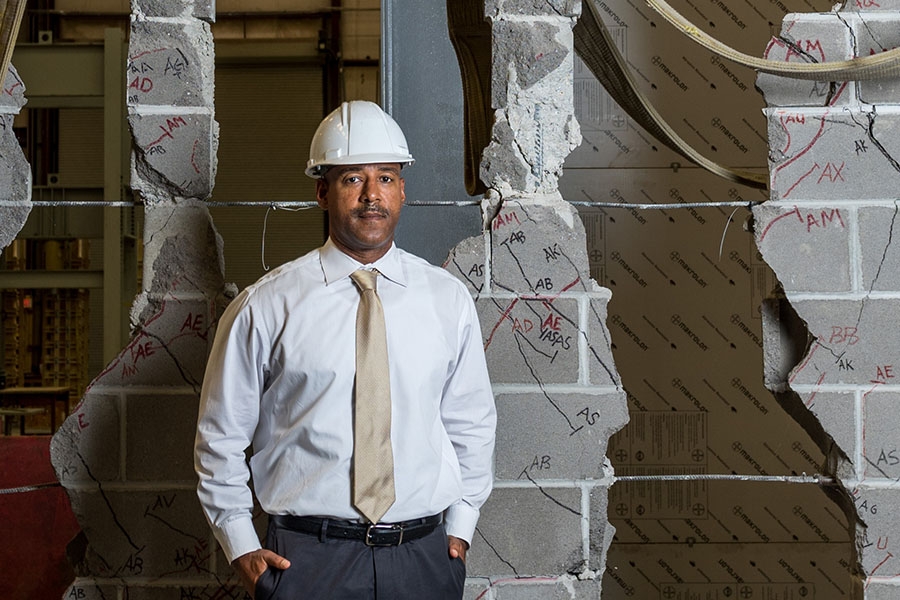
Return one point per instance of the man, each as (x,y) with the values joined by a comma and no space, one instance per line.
(284,377)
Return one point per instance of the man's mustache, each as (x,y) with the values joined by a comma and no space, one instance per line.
(360,212)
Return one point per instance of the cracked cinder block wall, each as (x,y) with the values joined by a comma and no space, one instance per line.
(125,453)
(830,234)
(15,173)
(559,397)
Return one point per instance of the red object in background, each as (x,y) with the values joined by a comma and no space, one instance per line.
(35,526)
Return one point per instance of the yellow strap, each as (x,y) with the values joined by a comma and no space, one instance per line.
(11,12)
(595,46)
(885,65)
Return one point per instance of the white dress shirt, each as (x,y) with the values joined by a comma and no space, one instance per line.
(280,378)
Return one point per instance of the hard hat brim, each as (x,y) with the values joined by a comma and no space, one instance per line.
(317,169)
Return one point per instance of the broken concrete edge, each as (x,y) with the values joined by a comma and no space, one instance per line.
(12,219)
(787,342)
(12,96)
(171,63)
(174,165)
(15,175)
(204,10)
(15,201)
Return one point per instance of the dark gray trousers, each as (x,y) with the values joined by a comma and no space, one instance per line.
(328,568)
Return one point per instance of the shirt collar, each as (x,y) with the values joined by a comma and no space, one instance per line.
(336,265)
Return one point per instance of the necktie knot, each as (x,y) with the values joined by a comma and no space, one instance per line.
(364,278)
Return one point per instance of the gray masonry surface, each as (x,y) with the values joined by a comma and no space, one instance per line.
(125,453)
(15,173)
(559,397)
(828,233)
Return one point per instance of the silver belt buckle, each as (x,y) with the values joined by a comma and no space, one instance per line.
(373,529)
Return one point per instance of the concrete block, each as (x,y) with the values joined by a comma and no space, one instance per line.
(824,155)
(601,366)
(159,437)
(881,449)
(170,64)
(524,52)
(183,249)
(13,97)
(89,591)
(174,155)
(146,534)
(477,588)
(466,261)
(12,219)
(538,247)
(530,341)
(855,342)
(785,339)
(601,532)
(530,143)
(552,435)
(808,248)
(550,8)
(877,508)
(516,528)
(835,411)
(502,162)
(200,9)
(879,253)
(874,36)
(86,448)
(184,592)
(169,348)
(15,183)
(806,39)
(872,6)
(565,588)
(882,590)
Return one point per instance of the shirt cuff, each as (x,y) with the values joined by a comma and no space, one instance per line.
(460,521)
(237,537)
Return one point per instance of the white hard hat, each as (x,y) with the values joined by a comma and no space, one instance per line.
(357,133)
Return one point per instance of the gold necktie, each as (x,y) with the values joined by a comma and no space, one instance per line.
(373,459)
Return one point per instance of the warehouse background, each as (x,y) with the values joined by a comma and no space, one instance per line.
(688,285)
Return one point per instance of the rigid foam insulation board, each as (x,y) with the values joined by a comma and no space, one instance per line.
(685,317)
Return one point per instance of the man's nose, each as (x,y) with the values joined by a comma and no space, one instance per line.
(370,191)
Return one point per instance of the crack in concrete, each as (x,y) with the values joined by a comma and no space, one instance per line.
(184,374)
(546,395)
(554,8)
(606,338)
(496,553)
(108,502)
(870,131)
(518,264)
(862,304)
(540,488)
(465,276)
(162,228)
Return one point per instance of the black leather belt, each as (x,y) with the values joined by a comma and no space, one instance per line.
(379,534)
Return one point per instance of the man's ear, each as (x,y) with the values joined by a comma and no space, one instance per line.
(402,191)
(322,193)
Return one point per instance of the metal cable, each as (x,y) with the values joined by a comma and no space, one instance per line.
(29,488)
(311,204)
(818,479)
